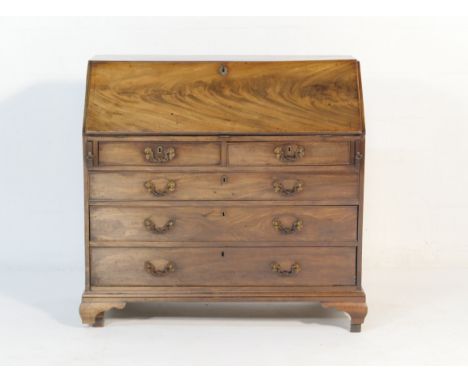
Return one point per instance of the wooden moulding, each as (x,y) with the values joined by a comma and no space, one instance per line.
(95,304)
(208,125)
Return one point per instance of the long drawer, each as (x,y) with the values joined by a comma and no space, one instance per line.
(328,187)
(277,266)
(212,223)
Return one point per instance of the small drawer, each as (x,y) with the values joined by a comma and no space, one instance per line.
(224,224)
(326,187)
(134,267)
(159,154)
(296,153)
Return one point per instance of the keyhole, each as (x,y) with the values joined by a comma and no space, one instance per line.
(289,149)
(159,149)
(224,179)
(222,213)
(223,70)
(222,254)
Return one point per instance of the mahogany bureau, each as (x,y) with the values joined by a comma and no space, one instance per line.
(223,180)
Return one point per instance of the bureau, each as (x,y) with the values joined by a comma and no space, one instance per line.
(223,180)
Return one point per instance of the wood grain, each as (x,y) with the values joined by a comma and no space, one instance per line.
(223,224)
(357,310)
(223,267)
(194,98)
(223,129)
(315,153)
(133,153)
(341,188)
(93,312)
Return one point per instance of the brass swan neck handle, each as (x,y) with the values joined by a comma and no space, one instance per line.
(153,271)
(151,188)
(296,226)
(279,188)
(294,269)
(150,226)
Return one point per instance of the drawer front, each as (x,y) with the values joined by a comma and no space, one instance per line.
(161,154)
(201,224)
(277,266)
(295,153)
(329,187)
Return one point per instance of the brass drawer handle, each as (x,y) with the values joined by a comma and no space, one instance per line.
(289,153)
(279,188)
(150,226)
(170,187)
(295,268)
(295,227)
(151,269)
(160,154)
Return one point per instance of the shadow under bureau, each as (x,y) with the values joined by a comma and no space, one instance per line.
(223,181)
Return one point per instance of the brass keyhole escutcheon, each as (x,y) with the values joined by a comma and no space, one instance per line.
(223,70)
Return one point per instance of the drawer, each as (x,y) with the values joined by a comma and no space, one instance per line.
(319,266)
(297,153)
(210,223)
(330,187)
(159,153)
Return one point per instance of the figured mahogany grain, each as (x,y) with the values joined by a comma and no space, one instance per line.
(315,153)
(195,98)
(133,153)
(320,223)
(329,266)
(211,235)
(341,188)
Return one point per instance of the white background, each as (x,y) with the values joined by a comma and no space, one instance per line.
(415,81)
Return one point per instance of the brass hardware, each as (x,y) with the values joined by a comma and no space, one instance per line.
(279,188)
(295,227)
(289,153)
(151,269)
(150,186)
(295,268)
(160,154)
(223,70)
(150,226)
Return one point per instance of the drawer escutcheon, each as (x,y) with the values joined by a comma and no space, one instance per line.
(160,154)
(289,153)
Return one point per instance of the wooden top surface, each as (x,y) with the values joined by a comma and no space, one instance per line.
(177,96)
(218,58)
